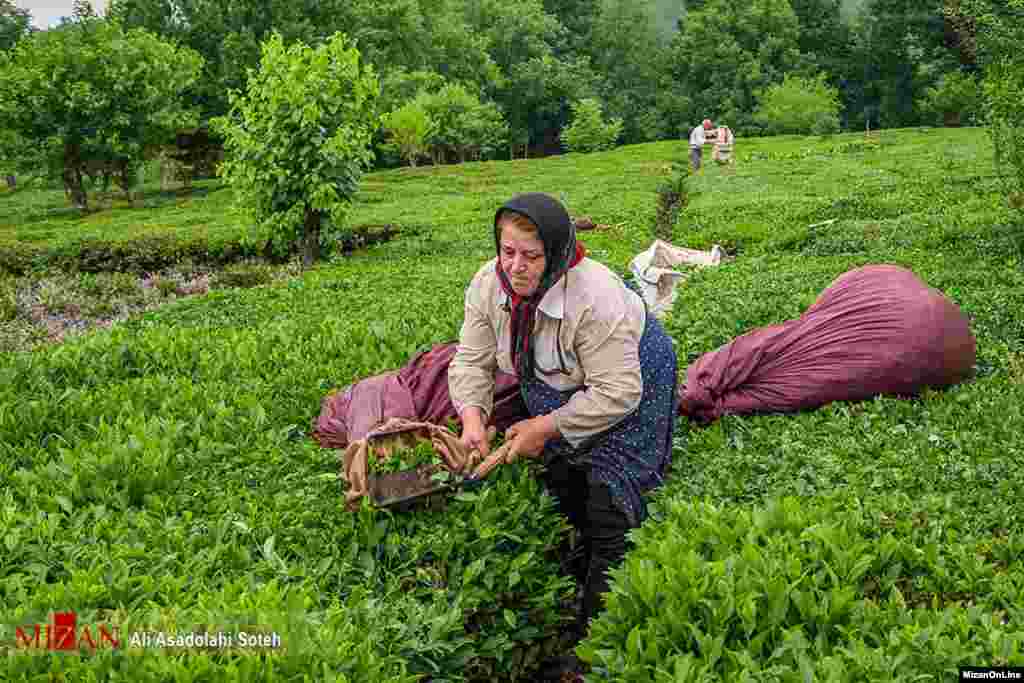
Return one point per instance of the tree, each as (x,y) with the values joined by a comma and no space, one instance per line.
(800,106)
(1004,94)
(727,51)
(539,95)
(14,23)
(228,35)
(88,98)
(589,132)
(409,127)
(999,32)
(478,43)
(81,10)
(483,129)
(458,51)
(578,17)
(900,49)
(521,39)
(993,29)
(463,123)
(825,41)
(955,97)
(298,138)
(629,51)
(400,86)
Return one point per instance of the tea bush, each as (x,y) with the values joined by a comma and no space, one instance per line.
(244,275)
(203,423)
(901,560)
(841,590)
(8,300)
(158,232)
(161,472)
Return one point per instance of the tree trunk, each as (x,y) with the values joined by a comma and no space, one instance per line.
(12,182)
(73,177)
(951,119)
(310,238)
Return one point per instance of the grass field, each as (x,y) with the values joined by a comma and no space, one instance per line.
(159,472)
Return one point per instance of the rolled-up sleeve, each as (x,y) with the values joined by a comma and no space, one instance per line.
(609,352)
(471,372)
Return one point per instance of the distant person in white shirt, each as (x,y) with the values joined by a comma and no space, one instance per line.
(697,141)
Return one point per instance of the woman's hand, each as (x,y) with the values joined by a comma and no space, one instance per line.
(474,434)
(523,439)
(529,436)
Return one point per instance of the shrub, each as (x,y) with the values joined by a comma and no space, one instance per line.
(166,286)
(798,106)
(588,131)
(139,255)
(100,308)
(107,284)
(483,130)
(56,295)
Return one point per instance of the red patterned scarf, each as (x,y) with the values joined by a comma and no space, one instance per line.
(523,312)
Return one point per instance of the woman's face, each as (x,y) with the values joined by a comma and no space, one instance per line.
(522,258)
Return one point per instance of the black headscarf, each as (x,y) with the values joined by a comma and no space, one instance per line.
(561,252)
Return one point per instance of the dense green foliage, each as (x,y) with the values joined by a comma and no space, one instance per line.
(799,105)
(409,127)
(162,470)
(588,131)
(659,66)
(298,139)
(1000,27)
(88,98)
(729,50)
(897,588)
(15,22)
(957,97)
(463,126)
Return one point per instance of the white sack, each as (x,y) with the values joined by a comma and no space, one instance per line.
(654,271)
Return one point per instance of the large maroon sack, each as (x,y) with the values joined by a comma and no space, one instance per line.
(876,330)
(417,392)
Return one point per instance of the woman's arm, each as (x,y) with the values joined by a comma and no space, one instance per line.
(472,368)
(608,349)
